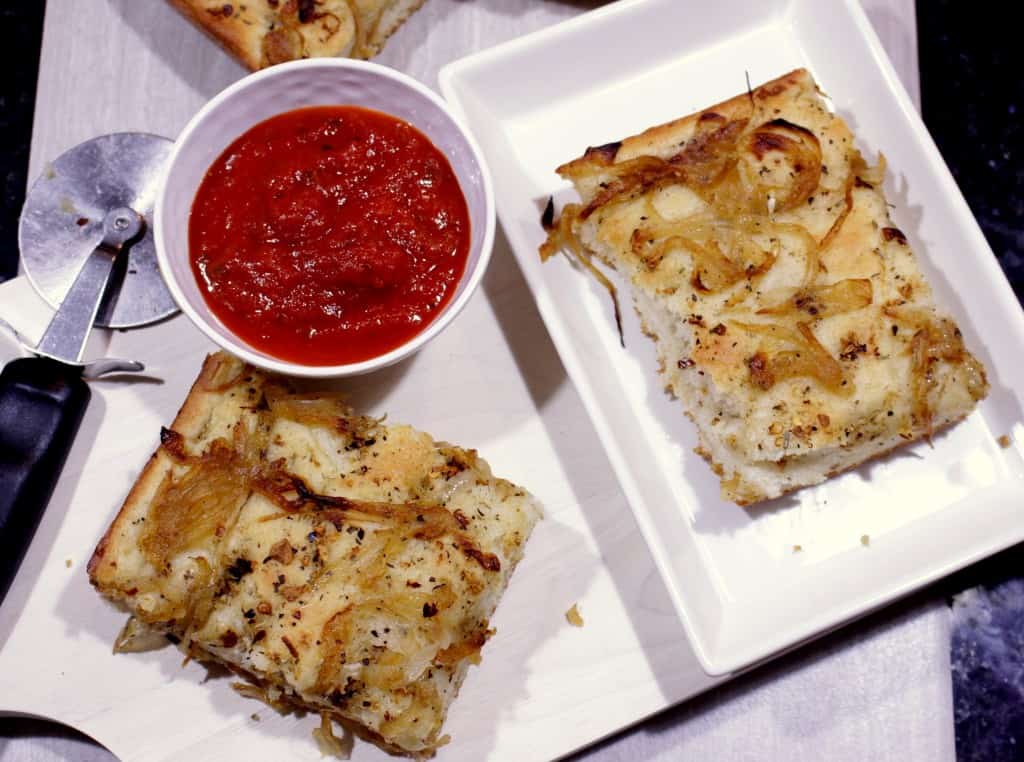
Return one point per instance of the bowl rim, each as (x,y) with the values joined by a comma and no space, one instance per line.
(234,344)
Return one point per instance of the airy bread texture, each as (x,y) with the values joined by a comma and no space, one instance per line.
(342,565)
(790,315)
(262,33)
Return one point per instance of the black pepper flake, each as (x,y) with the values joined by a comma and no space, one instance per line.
(685,363)
(429,609)
(239,568)
(250,615)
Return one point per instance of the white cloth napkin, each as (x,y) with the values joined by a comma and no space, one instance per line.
(880,690)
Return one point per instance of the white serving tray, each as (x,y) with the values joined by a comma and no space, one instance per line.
(740,585)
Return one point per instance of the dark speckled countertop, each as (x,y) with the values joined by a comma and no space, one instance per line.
(21,33)
(972,93)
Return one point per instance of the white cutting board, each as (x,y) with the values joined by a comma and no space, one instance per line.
(492,381)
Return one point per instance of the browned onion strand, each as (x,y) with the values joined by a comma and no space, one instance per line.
(202,495)
(935,339)
(795,353)
(747,171)
(563,238)
(825,300)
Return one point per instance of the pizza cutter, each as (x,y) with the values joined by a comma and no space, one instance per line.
(87,248)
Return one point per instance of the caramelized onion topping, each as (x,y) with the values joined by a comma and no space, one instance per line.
(796,176)
(792,353)
(823,301)
(722,256)
(934,340)
(747,172)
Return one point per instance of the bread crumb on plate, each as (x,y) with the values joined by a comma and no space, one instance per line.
(572,616)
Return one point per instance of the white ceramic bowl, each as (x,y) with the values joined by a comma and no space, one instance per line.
(314,82)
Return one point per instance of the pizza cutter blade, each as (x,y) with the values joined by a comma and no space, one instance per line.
(62,223)
(86,246)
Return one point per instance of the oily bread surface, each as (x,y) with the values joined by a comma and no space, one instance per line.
(350,568)
(260,33)
(733,288)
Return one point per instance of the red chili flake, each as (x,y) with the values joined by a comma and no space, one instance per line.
(890,234)
(760,374)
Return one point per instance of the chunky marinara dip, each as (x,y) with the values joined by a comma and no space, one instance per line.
(329,235)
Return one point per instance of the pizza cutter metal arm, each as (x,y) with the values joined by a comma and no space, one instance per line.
(43,398)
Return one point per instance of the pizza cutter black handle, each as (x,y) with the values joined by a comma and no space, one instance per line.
(41,406)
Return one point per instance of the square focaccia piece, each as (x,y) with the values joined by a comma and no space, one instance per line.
(789,313)
(342,565)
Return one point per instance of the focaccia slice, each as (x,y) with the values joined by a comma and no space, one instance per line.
(344,566)
(789,313)
(262,33)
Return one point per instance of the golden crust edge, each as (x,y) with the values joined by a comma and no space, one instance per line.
(188,421)
(227,35)
(672,132)
(732,494)
(292,701)
(380,37)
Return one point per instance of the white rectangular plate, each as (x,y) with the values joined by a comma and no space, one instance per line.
(748,583)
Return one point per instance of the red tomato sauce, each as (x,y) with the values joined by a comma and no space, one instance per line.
(329,235)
